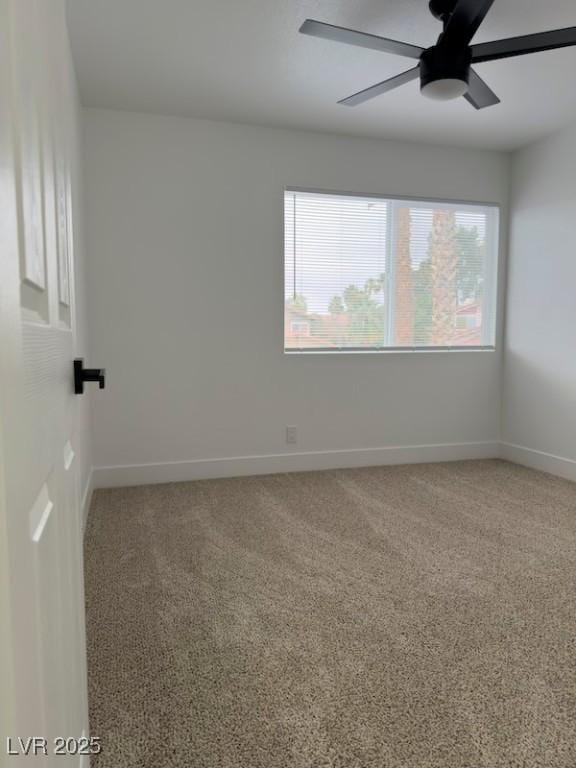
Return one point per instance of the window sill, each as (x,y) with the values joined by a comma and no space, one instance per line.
(389,351)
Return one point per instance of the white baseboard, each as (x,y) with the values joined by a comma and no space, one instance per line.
(546,462)
(178,471)
(87,499)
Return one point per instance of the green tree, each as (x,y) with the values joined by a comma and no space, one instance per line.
(373,286)
(366,314)
(471,252)
(298,301)
(422,283)
(357,317)
(336,306)
(404,314)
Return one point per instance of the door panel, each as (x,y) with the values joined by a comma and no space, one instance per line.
(41,598)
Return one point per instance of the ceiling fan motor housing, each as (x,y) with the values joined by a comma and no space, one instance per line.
(441,9)
(438,63)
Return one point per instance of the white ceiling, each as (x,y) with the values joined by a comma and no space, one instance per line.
(244,61)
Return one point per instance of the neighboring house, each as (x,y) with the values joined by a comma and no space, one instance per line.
(335,327)
(303,329)
(469,324)
(311,330)
(298,323)
(306,329)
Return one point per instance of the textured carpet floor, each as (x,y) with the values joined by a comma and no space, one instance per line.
(400,617)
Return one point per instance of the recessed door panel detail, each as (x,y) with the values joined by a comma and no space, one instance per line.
(62,213)
(32,199)
(29,123)
(68,456)
(50,626)
(40,514)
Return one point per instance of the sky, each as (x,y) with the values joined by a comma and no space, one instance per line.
(333,241)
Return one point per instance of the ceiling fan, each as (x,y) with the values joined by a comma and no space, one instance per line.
(445,69)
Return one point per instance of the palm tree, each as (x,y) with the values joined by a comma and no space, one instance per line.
(444,273)
(403,293)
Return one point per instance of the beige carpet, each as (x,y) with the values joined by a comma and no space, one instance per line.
(401,617)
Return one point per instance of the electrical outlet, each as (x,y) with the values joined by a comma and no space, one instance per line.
(291,435)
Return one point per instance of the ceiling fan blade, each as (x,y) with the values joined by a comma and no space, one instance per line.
(520,46)
(464,21)
(479,94)
(362,39)
(380,88)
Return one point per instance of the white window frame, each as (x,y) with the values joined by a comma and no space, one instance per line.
(492,268)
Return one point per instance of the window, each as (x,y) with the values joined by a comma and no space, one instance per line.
(371,273)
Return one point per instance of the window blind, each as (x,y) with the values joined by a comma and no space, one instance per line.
(371,273)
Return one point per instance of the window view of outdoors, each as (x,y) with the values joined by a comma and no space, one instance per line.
(370,273)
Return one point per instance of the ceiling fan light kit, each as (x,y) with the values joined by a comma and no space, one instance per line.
(445,69)
(446,89)
(445,75)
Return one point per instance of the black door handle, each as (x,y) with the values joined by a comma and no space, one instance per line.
(82,374)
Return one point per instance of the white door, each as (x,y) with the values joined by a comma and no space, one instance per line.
(42,646)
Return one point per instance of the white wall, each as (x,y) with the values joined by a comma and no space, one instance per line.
(539,420)
(184,228)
